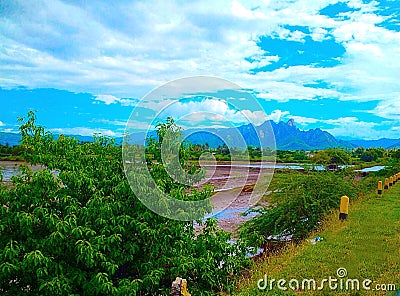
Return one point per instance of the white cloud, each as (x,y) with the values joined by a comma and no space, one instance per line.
(257,117)
(303,120)
(277,115)
(110,99)
(354,128)
(84,131)
(389,109)
(112,122)
(133,125)
(212,109)
(125,49)
(2,123)
(108,47)
(345,120)
(10,130)
(107,99)
(290,89)
(241,11)
(319,34)
(216,112)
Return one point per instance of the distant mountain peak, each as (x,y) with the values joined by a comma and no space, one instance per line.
(291,122)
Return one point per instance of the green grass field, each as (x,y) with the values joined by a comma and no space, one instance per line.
(367,245)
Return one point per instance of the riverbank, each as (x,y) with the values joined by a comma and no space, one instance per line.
(365,245)
(9,168)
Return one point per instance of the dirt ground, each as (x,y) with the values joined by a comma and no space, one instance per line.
(239,187)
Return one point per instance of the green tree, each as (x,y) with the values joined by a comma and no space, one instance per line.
(338,156)
(83,231)
(395,153)
(369,155)
(322,158)
(300,156)
(223,149)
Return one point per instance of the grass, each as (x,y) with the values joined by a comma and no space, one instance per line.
(366,244)
(11,158)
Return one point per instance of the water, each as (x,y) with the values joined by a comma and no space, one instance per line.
(10,169)
(372,169)
(290,166)
(230,213)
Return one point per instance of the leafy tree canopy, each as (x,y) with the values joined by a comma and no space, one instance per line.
(76,227)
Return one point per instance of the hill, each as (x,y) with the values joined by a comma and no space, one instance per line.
(381,143)
(13,139)
(287,136)
(10,139)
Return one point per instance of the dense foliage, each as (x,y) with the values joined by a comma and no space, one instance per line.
(337,156)
(370,154)
(11,152)
(77,228)
(297,205)
(225,153)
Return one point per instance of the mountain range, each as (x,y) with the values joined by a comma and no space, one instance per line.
(287,137)
(384,142)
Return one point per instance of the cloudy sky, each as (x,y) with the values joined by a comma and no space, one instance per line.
(85,65)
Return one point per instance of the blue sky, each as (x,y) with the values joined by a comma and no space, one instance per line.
(85,65)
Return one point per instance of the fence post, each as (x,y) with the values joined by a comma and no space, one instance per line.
(380,188)
(344,207)
(390,181)
(179,287)
(386,183)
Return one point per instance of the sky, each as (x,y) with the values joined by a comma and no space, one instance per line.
(88,66)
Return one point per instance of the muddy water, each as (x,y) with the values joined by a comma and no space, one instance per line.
(235,190)
(10,168)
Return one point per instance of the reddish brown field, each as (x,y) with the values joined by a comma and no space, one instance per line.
(236,191)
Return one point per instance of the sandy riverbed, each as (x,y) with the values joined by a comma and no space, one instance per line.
(239,187)
(9,168)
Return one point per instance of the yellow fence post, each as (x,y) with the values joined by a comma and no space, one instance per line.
(344,207)
(390,181)
(380,188)
(179,288)
(184,291)
(386,183)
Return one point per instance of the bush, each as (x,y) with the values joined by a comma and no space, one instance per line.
(297,206)
(83,231)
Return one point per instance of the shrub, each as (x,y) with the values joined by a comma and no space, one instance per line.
(83,231)
(297,206)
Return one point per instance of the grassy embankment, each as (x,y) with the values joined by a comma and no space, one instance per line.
(367,245)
